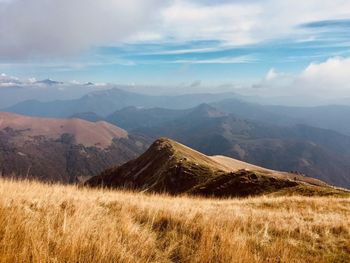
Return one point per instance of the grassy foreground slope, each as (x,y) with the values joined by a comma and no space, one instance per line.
(54,223)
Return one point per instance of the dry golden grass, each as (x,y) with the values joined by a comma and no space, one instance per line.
(42,223)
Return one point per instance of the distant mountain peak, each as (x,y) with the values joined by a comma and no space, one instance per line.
(49,82)
(115,91)
(206,110)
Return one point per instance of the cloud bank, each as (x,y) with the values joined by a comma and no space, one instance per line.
(61,27)
(8,81)
(328,79)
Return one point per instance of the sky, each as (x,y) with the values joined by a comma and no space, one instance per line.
(269,47)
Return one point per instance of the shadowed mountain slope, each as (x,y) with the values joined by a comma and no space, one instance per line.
(168,166)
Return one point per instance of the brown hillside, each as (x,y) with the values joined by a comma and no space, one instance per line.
(100,134)
(62,150)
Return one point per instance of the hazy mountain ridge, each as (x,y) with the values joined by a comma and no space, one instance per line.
(332,117)
(106,102)
(14,91)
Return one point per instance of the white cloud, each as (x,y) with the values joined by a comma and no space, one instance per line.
(59,27)
(332,75)
(328,79)
(271,75)
(32,80)
(8,81)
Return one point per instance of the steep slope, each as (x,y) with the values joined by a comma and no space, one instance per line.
(63,150)
(88,116)
(168,166)
(320,153)
(165,166)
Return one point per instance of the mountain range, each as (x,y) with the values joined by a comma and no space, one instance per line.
(311,140)
(332,117)
(104,103)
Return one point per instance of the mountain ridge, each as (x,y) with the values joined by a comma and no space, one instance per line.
(170,167)
(62,150)
(98,134)
(106,102)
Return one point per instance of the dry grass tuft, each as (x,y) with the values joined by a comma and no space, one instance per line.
(42,223)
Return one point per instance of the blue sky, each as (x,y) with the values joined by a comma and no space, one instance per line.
(184,42)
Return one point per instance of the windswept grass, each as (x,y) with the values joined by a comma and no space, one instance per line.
(42,223)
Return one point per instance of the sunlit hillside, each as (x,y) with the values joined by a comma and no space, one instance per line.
(54,223)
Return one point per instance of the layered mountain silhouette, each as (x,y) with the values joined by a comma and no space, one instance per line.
(170,167)
(332,117)
(106,102)
(63,150)
(320,153)
(277,137)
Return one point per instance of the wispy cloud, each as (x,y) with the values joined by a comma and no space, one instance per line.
(222,60)
(337,23)
(185,51)
(247,22)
